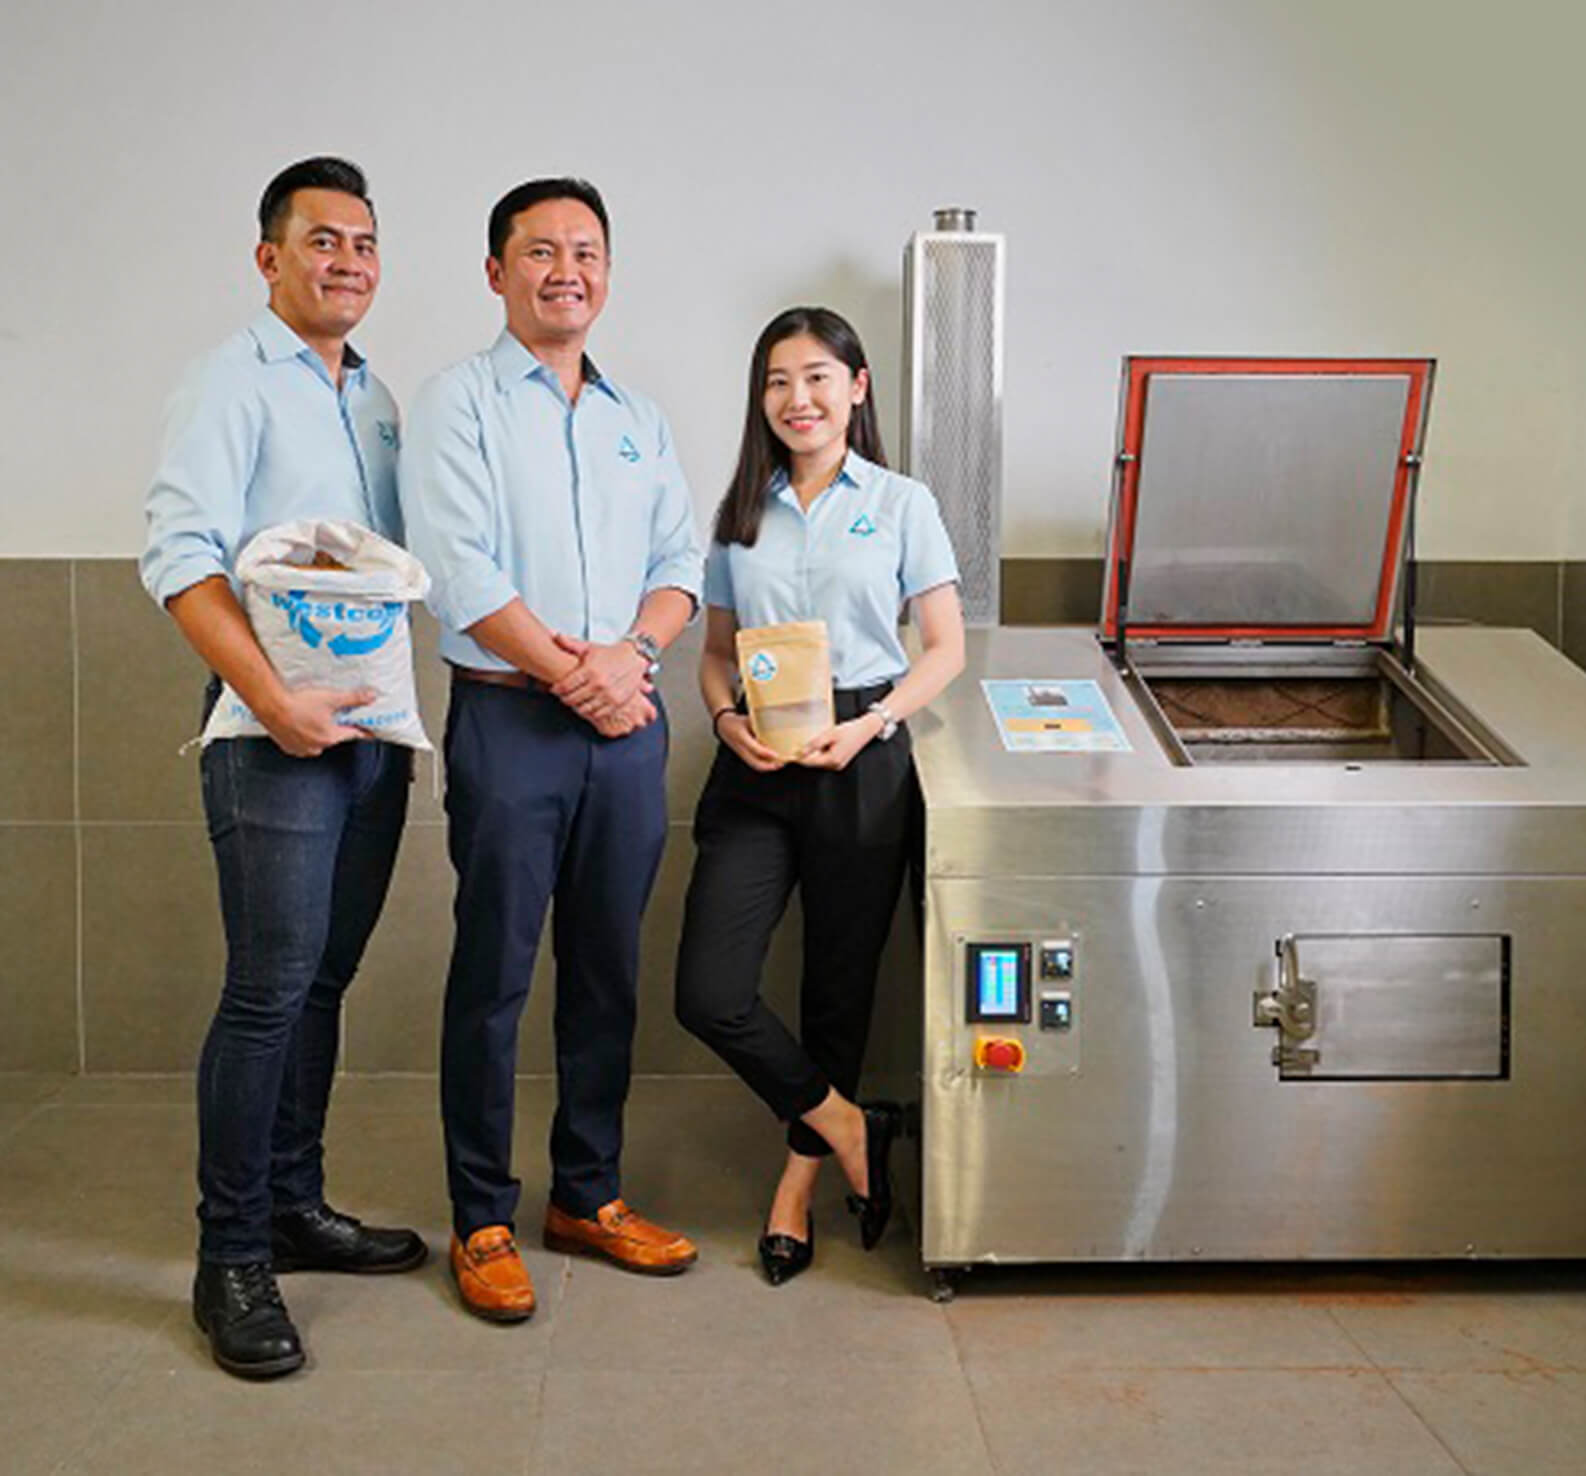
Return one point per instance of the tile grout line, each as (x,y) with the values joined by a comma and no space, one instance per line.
(969,1388)
(533,1465)
(1421,1420)
(1558,599)
(77,811)
(1387,1377)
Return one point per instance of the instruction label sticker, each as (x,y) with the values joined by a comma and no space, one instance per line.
(1040,715)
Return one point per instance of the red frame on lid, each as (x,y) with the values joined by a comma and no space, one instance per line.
(1121,533)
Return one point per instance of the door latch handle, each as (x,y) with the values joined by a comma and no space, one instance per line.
(1291,1007)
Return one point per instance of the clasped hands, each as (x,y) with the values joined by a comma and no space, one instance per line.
(609,688)
(831,748)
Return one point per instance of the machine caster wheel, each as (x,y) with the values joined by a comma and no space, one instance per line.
(944,1284)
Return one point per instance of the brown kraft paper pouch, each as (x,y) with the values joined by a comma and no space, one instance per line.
(787,680)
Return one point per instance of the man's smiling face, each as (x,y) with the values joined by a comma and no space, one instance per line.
(325,266)
(552,273)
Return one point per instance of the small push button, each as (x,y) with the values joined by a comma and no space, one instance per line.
(1057,1011)
(1057,958)
(999,1053)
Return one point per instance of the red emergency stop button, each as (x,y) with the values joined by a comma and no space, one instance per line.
(999,1053)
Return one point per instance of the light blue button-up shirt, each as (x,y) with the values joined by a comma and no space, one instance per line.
(869,542)
(257,433)
(578,509)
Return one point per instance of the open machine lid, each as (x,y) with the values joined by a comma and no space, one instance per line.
(1263,499)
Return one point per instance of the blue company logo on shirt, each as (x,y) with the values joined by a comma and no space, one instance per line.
(862,527)
(627,450)
(762,666)
(388,433)
(302,613)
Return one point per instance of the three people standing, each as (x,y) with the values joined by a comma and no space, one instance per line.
(547,503)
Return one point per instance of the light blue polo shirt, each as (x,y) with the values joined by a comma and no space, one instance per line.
(579,509)
(869,542)
(257,433)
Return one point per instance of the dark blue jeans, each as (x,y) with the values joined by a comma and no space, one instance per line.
(541,808)
(304,848)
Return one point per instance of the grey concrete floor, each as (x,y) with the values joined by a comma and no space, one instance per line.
(851,1368)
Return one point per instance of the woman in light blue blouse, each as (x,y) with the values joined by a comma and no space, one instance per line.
(813,527)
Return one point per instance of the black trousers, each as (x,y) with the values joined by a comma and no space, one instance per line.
(843,839)
(541,807)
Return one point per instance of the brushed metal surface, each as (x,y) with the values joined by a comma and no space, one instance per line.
(1403,1006)
(1162,1129)
(1175,1138)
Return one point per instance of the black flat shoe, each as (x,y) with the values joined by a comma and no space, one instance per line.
(875,1208)
(241,1311)
(324,1239)
(784,1256)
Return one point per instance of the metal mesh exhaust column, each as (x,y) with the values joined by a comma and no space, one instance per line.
(952,403)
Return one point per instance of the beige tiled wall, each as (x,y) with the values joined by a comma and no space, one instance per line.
(110,942)
(110,948)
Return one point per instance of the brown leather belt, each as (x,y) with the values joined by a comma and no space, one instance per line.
(491,678)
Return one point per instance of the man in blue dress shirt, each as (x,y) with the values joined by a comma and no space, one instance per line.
(282,421)
(548,505)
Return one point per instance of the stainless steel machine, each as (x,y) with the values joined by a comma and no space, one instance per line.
(1256,917)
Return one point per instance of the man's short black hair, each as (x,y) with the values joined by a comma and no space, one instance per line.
(516,201)
(321,173)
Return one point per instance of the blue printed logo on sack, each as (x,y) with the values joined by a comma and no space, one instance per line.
(302,613)
(627,450)
(762,666)
(862,527)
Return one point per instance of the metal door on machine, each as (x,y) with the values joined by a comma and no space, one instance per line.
(1418,1117)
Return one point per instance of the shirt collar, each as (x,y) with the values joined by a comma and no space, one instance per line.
(277,342)
(513,363)
(855,470)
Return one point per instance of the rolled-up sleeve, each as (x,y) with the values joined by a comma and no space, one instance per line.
(718,578)
(195,505)
(674,548)
(927,550)
(448,504)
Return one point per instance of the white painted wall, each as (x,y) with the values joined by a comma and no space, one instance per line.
(1336,176)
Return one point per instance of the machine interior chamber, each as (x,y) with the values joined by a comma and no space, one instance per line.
(1362,710)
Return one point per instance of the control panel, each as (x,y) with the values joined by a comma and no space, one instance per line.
(1021,1010)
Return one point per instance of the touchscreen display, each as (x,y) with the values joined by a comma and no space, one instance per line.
(999,981)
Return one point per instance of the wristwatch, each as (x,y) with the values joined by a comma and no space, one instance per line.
(889,724)
(645,644)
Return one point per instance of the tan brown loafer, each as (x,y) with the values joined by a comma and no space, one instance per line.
(622,1237)
(491,1277)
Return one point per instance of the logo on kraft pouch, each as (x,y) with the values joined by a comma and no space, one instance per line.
(861,526)
(762,666)
(302,613)
(627,450)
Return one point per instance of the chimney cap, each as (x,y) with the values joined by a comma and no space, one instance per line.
(955,218)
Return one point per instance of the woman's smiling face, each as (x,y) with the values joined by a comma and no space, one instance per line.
(810,395)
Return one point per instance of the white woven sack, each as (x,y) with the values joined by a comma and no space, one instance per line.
(343,628)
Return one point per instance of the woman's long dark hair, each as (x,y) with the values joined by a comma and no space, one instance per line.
(761,455)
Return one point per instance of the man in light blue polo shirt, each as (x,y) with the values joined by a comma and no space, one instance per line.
(282,421)
(547,503)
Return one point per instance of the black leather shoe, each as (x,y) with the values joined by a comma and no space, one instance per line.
(875,1208)
(784,1256)
(250,1333)
(324,1239)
